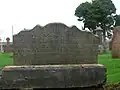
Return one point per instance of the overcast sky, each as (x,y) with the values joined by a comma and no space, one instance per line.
(27,13)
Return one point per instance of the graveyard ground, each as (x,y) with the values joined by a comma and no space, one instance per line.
(113,65)
(5,59)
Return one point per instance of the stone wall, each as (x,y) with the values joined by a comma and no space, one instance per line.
(55,43)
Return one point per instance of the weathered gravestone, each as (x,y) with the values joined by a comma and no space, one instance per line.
(116,43)
(98,31)
(55,43)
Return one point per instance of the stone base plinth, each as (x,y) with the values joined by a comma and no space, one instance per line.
(53,76)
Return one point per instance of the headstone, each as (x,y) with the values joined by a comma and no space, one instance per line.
(99,32)
(8,44)
(116,43)
(53,44)
(108,41)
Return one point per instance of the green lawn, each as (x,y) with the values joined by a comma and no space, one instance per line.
(113,65)
(5,59)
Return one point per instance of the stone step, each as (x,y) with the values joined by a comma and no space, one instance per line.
(53,76)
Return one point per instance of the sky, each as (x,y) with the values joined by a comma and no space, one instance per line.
(28,13)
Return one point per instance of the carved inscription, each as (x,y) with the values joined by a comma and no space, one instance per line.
(55,43)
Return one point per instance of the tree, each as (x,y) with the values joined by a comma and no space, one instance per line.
(84,13)
(97,13)
(117,19)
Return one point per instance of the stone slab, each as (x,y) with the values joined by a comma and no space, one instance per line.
(55,43)
(53,76)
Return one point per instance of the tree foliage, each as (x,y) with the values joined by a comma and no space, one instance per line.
(117,19)
(97,13)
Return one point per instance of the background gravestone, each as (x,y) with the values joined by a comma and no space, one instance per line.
(55,43)
(116,43)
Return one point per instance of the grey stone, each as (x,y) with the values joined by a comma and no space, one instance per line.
(53,44)
(54,76)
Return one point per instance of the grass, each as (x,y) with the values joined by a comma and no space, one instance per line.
(113,65)
(5,59)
